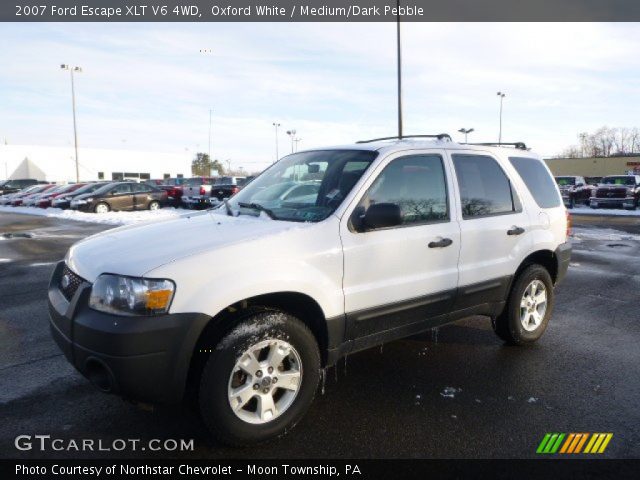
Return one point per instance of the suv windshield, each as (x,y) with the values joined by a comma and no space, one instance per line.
(304,187)
(619,180)
(564,181)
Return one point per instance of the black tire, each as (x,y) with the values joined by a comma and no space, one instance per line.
(251,329)
(507,325)
(572,202)
(95,209)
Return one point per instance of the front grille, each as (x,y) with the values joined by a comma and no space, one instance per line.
(611,193)
(69,283)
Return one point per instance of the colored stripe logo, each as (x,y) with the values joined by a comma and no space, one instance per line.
(574,443)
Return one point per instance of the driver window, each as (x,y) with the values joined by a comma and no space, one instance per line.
(416,184)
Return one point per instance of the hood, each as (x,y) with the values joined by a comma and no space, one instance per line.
(135,250)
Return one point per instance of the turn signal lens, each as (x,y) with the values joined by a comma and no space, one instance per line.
(158,299)
(568,225)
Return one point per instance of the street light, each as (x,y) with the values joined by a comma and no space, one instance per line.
(501,95)
(466,132)
(73,105)
(292,134)
(297,139)
(276,125)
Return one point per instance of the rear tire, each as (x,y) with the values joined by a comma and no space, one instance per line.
(154,205)
(572,202)
(525,317)
(239,399)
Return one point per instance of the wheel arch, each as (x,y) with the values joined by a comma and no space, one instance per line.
(300,305)
(546,258)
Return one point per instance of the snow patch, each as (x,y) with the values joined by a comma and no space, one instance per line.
(608,234)
(450,392)
(252,330)
(532,400)
(605,212)
(110,218)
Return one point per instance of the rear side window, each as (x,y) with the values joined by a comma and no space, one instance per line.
(538,181)
(484,187)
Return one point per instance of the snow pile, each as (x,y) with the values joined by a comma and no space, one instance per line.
(110,218)
(606,234)
(616,212)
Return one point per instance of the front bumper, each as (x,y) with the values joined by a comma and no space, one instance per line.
(596,202)
(82,207)
(140,358)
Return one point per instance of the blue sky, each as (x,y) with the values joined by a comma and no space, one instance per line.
(149,86)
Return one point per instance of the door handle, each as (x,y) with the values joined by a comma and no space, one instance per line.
(443,242)
(515,231)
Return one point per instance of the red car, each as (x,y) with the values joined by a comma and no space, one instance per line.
(45,200)
(18,199)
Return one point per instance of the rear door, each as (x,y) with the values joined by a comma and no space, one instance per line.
(494,228)
(402,279)
(141,195)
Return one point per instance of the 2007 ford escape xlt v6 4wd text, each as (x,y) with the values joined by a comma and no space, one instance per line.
(395,237)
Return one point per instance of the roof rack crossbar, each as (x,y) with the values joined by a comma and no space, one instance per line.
(439,136)
(518,145)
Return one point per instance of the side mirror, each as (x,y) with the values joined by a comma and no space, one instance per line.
(382,215)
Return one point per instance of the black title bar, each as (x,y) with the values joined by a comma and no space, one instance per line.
(319,11)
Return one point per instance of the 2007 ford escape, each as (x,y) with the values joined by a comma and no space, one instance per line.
(386,239)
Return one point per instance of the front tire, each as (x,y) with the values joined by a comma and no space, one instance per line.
(102,208)
(260,378)
(528,308)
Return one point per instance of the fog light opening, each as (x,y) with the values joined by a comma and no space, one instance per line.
(99,375)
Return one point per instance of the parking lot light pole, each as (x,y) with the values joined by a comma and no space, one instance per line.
(292,135)
(501,95)
(399,67)
(276,125)
(466,132)
(73,105)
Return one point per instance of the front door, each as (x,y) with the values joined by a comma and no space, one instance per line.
(402,279)
(121,197)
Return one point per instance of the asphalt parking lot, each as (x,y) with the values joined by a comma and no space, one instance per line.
(455,392)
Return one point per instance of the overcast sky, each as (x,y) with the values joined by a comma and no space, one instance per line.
(149,86)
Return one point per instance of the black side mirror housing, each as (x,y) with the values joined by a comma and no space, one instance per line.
(382,215)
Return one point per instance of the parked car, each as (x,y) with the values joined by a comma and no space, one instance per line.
(32,200)
(622,191)
(196,192)
(226,187)
(46,199)
(21,197)
(593,180)
(64,201)
(574,190)
(7,198)
(401,236)
(12,186)
(120,196)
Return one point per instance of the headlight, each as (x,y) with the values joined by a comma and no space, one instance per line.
(131,296)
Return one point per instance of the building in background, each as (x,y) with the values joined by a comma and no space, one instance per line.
(594,166)
(57,164)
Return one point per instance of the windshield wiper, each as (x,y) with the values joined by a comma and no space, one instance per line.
(260,208)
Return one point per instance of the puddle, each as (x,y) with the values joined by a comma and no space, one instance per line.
(617,245)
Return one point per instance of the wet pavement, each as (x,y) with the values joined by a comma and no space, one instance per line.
(455,392)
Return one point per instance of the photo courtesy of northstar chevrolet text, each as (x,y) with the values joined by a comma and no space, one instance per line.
(289,238)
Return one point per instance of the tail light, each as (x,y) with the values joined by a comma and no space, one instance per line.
(234,190)
(568,224)
(202,191)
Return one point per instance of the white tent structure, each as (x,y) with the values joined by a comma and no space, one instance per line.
(57,164)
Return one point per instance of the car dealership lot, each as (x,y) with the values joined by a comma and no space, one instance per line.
(454,392)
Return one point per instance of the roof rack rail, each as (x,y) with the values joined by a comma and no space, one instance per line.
(439,136)
(518,145)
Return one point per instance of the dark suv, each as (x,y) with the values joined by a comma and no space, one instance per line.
(617,191)
(574,190)
(12,186)
(225,187)
(121,196)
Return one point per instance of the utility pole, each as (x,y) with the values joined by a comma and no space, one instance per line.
(501,95)
(73,105)
(399,58)
(276,125)
(292,135)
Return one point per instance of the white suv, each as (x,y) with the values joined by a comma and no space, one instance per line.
(398,237)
